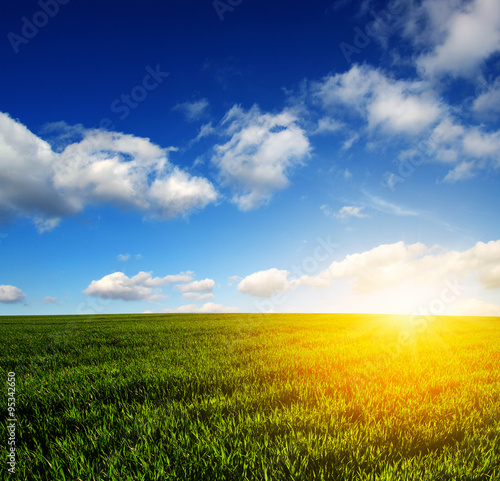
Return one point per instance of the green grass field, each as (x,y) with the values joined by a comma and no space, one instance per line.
(253,397)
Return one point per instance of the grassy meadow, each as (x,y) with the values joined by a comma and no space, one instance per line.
(253,397)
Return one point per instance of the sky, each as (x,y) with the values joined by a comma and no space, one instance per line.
(250,156)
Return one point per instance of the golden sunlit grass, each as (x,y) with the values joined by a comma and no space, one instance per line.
(255,397)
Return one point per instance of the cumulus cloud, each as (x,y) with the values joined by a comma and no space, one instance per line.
(142,286)
(262,150)
(193,110)
(207,308)
(389,106)
(196,296)
(395,106)
(386,266)
(123,257)
(26,177)
(49,300)
(265,283)
(178,193)
(101,167)
(131,172)
(482,144)
(11,294)
(205,285)
(468,149)
(461,35)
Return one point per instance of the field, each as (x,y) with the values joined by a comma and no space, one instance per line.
(253,397)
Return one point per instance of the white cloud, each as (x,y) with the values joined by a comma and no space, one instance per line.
(132,172)
(45,225)
(146,279)
(467,149)
(390,106)
(193,110)
(196,296)
(349,142)
(464,170)
(49,300)
(205,285)
(395,106)
(207,308)
(462,35)
(353,87)
(350,211)
(387,266)
(102,167)
(123,257)
(447,156)
(447,131)
(142,286)
(11,294)
(481,144)
(179,193)
(261,152)
(343,213)
(265,283)
(205,131)
(475,307)
(379,268)
(487,104)
(328,125)
(388,207)
(233,279)
(26,170)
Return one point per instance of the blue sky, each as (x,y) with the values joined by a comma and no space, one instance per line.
(250,156)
